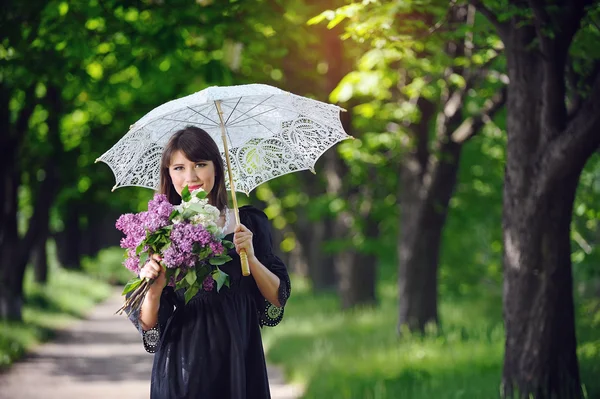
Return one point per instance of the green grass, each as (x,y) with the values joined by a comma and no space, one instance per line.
(357,354)
(107,266)
(67,296)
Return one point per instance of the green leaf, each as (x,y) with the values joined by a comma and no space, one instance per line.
(170,272)
(191,277)
(143,258)
(185,194)
(221,278)
(140,247)
(219,260)
(132,285)
(181,284)
(228,244)
(173,214)
(336,20)
(190,292)
(201,194)
(329,14)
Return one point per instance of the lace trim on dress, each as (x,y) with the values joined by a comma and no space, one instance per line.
(271,315)
(151,339)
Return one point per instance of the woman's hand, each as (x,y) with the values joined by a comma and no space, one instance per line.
(242,239)
(153,270)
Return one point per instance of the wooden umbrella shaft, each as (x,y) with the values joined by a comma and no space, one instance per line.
(243,255)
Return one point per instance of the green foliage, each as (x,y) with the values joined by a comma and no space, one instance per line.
(472,245)
(107,266)
(357,354)
(585,230)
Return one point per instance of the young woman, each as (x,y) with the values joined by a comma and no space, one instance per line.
(211,347)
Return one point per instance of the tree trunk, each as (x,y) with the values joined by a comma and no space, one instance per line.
(540,351)
(15,252)
(11,275)
(320,264)
(40,261)
(99,233)
(540,355)
(68,242)
(357,269)
(428,179)
(10,291)
(423,211)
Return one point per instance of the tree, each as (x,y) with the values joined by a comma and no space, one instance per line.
(426,65)
(553,119)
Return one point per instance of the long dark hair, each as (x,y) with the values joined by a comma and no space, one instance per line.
(196,145)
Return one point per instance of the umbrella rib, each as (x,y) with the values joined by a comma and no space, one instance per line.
(193,110)
(246,113)
(273,133)
(188,121)
(252,117)
(234,108)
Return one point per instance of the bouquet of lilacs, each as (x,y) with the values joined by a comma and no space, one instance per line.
(188,239)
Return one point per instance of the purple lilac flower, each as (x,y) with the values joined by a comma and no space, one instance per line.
(173,257)
(159,210)
(217,247)
(131,225)
(184,235)
(132,262)
(160,206)
(209,283)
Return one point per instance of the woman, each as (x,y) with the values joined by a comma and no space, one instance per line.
(211,347)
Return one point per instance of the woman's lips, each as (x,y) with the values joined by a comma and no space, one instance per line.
(192,188)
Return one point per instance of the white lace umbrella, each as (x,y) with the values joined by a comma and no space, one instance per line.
(262,131)
(270,132)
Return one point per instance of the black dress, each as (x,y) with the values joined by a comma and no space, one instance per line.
(212,347)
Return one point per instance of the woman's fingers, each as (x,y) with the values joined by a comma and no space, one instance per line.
(150,270)
(242,235)
(242,239)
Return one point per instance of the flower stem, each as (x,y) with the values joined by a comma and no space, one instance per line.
(134,301)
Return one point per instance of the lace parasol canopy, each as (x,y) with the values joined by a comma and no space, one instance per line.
(270,132)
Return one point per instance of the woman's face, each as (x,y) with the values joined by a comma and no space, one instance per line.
(195,175)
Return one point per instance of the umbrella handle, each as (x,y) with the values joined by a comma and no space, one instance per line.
(244,261)
(243,254)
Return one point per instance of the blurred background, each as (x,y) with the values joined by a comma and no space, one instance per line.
(395,244)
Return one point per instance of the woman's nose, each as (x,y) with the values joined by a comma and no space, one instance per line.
(191,176)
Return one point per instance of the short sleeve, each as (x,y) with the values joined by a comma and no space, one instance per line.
(151,338)
(269,314)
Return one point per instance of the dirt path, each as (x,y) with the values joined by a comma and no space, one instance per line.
(100,357)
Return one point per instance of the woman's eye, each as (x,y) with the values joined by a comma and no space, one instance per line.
(201,165)
(177,168)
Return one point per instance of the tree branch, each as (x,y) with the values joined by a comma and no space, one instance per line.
(472,125)
(563,28)
(568,152)
(421,131)
(501,27)
(555,34)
